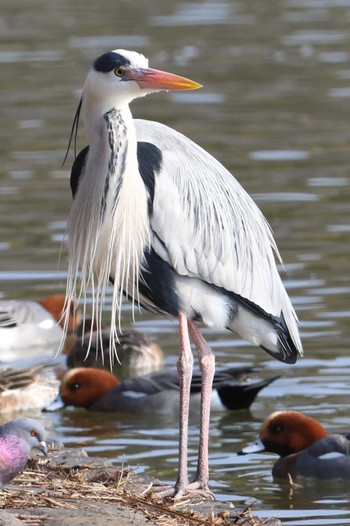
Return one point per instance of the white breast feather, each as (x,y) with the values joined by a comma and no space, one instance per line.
(113,247)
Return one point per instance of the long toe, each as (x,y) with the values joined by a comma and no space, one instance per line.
(177,492)
(163,491)
(196,489)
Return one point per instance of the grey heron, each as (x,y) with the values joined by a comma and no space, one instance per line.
(174,231)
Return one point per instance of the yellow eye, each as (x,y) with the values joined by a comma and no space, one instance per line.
(119,72)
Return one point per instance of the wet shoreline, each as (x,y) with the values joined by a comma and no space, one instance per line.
(72,488)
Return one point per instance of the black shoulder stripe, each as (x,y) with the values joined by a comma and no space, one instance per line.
(77,168)
(150,161)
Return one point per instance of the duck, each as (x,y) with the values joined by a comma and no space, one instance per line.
(157,392)
(137,354)
(305,447)
(17,438)
(27,389)
(31,327)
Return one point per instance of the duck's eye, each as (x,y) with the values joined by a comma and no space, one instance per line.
(74,387)
(34,433)
(277,428)
(119,72)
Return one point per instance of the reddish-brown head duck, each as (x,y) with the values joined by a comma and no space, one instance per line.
(304,447)
(56,304)
(158,392)
(31,328)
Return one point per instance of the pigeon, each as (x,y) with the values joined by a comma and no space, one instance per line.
(17,438)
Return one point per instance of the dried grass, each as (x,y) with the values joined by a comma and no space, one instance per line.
(40,487)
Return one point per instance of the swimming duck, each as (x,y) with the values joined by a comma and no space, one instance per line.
(30,326)
(136,353)
(26,389)
(158,392)
(304,446)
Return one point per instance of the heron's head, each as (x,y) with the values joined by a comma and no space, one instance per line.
(119,76)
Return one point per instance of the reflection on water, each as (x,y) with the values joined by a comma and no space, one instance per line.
(275,110)
(191,14)
(279,155)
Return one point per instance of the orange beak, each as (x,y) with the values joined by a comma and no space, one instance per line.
(159,80)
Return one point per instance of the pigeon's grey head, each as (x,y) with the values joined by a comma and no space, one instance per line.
(29,430)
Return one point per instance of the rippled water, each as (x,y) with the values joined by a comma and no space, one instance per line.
(275,110)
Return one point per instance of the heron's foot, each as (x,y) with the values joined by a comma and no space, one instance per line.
(179,491)
(163,491)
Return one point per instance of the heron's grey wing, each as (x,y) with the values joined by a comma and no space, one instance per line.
(206,226)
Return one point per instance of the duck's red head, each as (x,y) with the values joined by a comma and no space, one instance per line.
(83,386)
(56,306)
(287,432)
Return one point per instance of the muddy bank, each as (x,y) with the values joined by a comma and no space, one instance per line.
(69,487)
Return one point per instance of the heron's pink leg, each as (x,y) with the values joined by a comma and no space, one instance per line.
(207,367)
(184,367)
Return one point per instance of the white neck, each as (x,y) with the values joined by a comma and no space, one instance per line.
(100,98)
